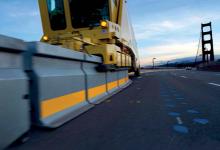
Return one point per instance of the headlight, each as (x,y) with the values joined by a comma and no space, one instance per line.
(104,24)
(45,38)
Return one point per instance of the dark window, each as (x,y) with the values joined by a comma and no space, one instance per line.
(88,13)
(56,14)
(115,2)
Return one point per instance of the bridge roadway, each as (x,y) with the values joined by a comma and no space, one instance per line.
(162,110)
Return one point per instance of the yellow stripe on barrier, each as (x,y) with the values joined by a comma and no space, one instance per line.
(112,85)
(96,91)
(121,81)
(55,105)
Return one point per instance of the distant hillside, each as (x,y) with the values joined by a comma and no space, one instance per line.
(184,61)
(190,59)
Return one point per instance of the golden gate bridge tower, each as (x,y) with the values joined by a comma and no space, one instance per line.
(207,43)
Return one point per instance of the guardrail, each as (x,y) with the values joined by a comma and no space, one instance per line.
(47,86)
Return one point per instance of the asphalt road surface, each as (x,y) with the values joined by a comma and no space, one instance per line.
(162,110)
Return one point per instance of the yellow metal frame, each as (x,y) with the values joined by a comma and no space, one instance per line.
(98,41)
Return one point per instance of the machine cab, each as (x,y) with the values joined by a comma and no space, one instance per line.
(60,17)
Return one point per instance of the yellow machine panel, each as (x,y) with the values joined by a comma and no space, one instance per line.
(98,27)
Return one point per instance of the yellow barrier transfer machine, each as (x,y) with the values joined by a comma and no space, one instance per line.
(97,27)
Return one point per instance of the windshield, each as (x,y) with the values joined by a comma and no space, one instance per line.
(86,13)
(56,14)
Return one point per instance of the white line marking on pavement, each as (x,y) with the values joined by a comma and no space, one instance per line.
(214,84)
(179,120)
(183,77)
(218,74)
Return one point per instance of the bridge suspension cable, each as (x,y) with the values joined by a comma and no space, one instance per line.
(199,43)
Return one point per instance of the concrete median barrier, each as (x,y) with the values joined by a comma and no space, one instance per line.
(14,107)
(65,83)
(59,92)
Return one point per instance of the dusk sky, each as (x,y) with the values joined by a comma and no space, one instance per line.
(165,29)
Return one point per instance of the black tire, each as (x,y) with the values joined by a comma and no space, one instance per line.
(137,73)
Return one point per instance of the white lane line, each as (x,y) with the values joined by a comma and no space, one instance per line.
(215,84)
(218,74)
(179,120)
(183,77)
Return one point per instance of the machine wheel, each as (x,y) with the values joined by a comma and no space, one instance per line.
(137,72)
